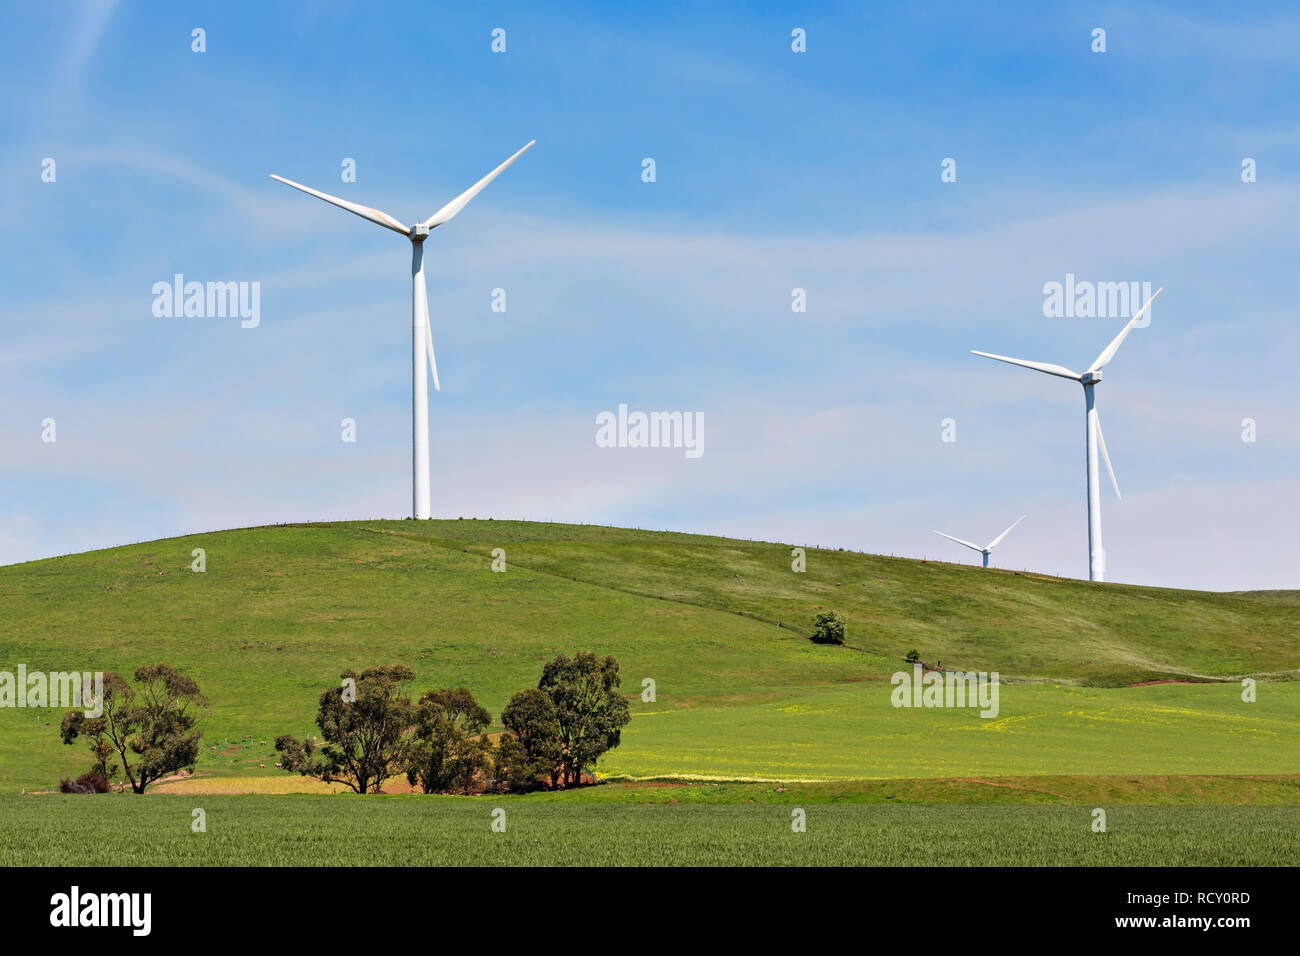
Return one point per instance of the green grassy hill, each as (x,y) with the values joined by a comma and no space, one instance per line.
(720,625)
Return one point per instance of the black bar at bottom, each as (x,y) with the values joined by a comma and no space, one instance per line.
(274,904)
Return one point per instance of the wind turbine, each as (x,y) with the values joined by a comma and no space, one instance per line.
(421,336)
(991,545)
(1093,435)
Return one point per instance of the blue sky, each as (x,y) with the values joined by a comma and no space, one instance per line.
(775,170)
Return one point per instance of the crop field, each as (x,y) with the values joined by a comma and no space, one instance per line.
(1123,697)
(427,831)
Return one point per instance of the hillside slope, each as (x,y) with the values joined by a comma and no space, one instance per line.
(281,610)
(987,619)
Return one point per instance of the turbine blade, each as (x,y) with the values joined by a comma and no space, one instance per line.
(998,540)
(973,547)
(457,204)
(1047,367)
(428,342)
(365,212)
(1105,456)
(1110,350)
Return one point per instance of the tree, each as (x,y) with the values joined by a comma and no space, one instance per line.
(531,746)
(828,628)
(512,770)
(588,708)
(151,731)
(366,723)
(449,750)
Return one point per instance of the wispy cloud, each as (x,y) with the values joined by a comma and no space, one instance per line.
(90,22)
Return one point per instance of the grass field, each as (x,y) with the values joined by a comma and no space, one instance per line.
(1055,789)
(721,627)
(424,831)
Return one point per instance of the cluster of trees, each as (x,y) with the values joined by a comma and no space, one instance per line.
(150,731)
(372,731)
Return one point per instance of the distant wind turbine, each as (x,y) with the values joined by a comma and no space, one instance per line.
(991,545)
(1093,435)
(421,335)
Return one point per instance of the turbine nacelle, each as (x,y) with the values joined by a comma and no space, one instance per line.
(1090,378)
(419,232)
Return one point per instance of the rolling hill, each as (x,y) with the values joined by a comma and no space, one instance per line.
(1097,679)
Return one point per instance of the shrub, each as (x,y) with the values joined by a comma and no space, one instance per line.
(90,782)
(828,628)
(914,655)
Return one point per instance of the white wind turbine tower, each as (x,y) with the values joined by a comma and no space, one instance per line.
(991,545)
(1093,435)
(421,336)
